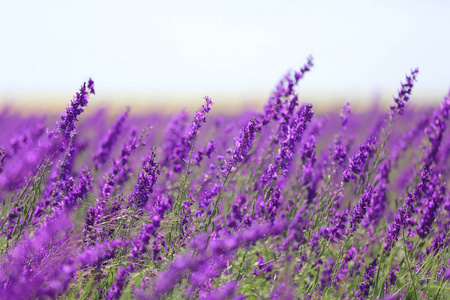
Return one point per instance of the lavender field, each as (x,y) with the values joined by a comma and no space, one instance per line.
(285,202)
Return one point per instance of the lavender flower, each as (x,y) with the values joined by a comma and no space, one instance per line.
(431,209)
(359,160)
(402,218)
(85,184)
(325,277)
(264,267)
(61,177)
(25,269)
(288,146)
(66,126)
(150,230)
(223,292)
(404,93)
(123,273)
(378,206)
(309,159)
(295,233)
(391,279)
(208,150)
(344,115)
(146,180)
(435,132)
(120,170)
(165,281)
(235,217)
(284,88)
(91,86)
(173,134)
(29,137)
(369,273)
(241,147)
(360,210)
(108,142)
(184,146)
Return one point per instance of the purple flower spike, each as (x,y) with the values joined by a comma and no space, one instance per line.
(221,293)
(182,149)
(146,180)
(66,126)
(325,278)
(344,115)
(121,281)
(403,216)
(359,160)
(404,93)
(91,86)
(360,210)
(242,146)
(431,208)
(364,288)
(110,139)
(284,89)
(288,146)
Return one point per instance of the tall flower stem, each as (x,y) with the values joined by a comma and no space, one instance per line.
(409,266)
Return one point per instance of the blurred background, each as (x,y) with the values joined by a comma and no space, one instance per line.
(166,55)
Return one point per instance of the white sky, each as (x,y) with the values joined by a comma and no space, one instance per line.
(221,45)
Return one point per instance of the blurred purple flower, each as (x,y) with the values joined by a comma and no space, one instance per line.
(109,140)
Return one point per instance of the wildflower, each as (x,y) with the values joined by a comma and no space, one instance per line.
(359,160)
(115,292)
(402,218)
(391,279)
(344,115)
(242,145)
(223,292)
(235,217)
(108,142)
(66,126)
(146,180)
(288,146)
(360,210)
(435,132)
(285,88)
(369,273)
(208,150)
(404,93)
(184,146)
(325,278)
(431,209)
(173,134)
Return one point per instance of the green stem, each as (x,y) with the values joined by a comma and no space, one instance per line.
(409,266)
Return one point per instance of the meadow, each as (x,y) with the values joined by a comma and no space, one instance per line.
(281,203)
